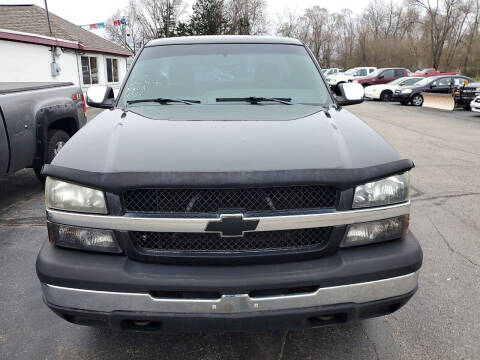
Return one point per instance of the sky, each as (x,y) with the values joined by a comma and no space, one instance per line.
(93,11)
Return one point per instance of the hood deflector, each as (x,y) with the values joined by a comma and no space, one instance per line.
(120,182)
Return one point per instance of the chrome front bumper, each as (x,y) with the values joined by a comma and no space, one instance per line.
(104,301)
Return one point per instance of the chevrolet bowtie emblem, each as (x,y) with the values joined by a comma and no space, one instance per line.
(231,225)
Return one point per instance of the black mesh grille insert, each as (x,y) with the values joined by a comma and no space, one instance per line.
(251,241)
(214,200)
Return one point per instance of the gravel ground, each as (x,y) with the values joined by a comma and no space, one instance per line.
(442,321)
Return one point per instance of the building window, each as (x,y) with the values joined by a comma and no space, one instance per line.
(112,70)
(89,70)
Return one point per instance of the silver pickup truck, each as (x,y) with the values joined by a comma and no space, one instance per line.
(36,120)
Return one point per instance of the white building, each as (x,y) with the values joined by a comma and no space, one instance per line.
(79,56)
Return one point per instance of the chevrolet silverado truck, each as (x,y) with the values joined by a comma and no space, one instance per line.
(36,120)
(249,201)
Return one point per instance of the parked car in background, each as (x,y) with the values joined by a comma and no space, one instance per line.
(427,72)
(36,120)
(437,84)
(382,76)
(331,71)
(465,93)
(247,204)
(350,75)
(475,104)
(385,92)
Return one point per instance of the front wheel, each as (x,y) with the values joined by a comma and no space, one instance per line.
(417,100)
(386,96)
(56,139)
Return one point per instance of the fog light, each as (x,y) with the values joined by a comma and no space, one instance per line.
(376,231)
(82,238)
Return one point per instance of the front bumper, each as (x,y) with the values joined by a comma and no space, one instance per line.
(114,291)
(372,95)
(401,97)
(174,323)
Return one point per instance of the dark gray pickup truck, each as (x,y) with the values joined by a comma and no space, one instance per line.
(227,189)
(36,120)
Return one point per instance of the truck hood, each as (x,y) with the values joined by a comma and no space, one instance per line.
(182,141)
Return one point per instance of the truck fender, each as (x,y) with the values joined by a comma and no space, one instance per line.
(65,117)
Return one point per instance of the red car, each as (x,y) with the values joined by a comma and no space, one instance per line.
(382,76)
(427,72)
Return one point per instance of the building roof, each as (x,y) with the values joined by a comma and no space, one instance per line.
(224,39)
(28,23)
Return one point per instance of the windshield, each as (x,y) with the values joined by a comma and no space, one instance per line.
(424,81)
(350,72)
(398,81)
(206,72)
(410,81)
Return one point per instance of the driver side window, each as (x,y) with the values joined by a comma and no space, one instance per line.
(388,73)
(442,82)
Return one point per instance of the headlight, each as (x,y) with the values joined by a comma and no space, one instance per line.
(63,195)
(406,91)
(391,190)
(376,231)
(82,238)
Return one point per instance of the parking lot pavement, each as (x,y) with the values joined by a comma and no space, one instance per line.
(442,321)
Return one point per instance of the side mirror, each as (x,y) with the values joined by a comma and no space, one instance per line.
(100,96)
(433,86)
(350,94)
(380,77)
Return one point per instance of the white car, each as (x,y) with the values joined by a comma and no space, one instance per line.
(475,104)
(385,92)
(349,75)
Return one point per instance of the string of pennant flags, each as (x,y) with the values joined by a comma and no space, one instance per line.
(101,25)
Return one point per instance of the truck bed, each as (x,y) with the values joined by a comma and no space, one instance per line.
(12,87)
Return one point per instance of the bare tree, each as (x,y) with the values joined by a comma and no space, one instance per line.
(246,17)
(131,35)
(288,24)
(158,18)
(438,21)
(414,33)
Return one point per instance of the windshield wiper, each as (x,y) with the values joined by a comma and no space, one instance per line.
(164,101)
(255,100)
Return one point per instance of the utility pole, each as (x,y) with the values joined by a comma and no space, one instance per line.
(53,65)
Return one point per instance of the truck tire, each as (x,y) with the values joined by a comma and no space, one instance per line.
(56,139)
(417,100)
(386,95)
